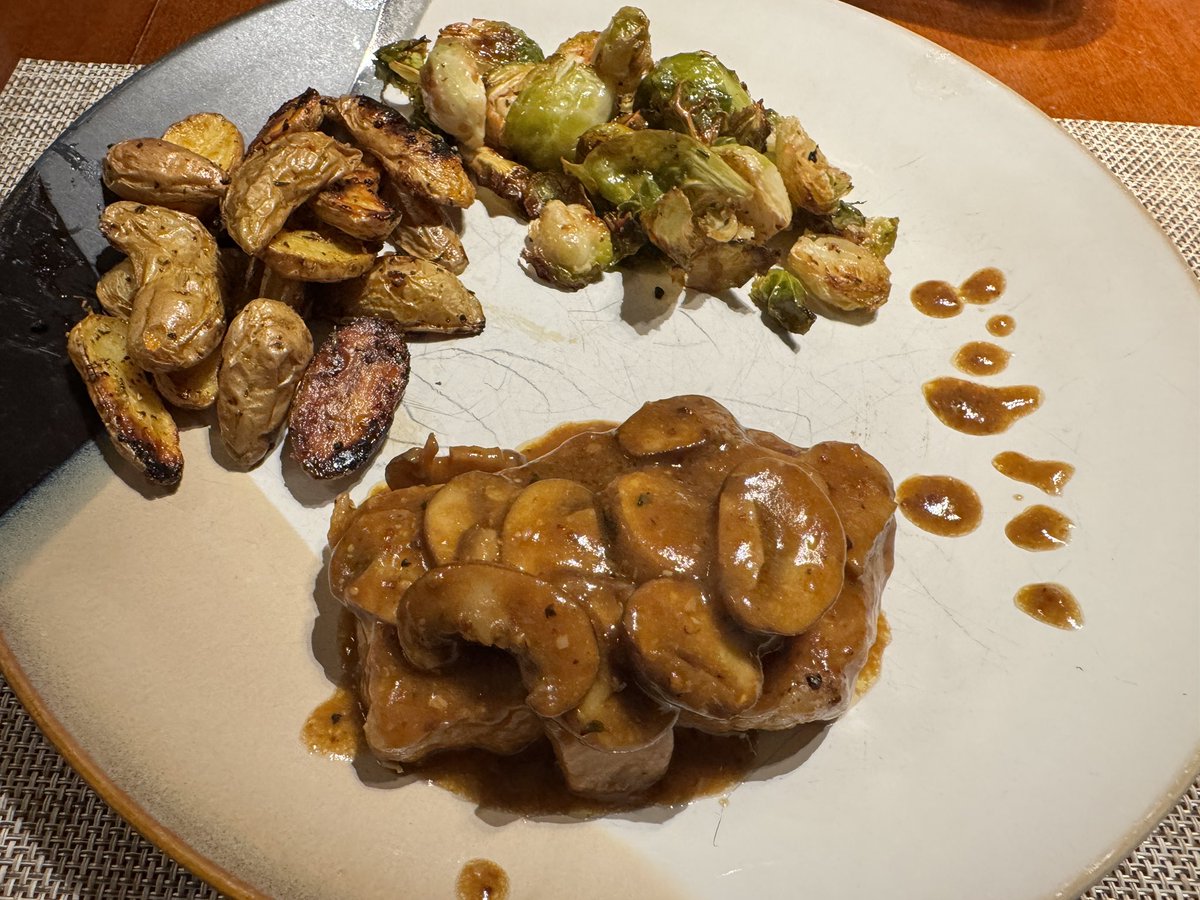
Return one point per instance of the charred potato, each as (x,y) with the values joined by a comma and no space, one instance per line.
(140,426)
(418,162)
(425,231)
(273,183)
(320,253)
(265,352)
(210,135)
(194,388)
(116,288)
(164,174)
(348,396)
(354,205)
(302,113)
(417,295)
(177,317)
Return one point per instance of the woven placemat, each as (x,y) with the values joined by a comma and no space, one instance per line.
(59,839)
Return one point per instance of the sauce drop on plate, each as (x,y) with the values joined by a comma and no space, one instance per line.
(1048,475)
(334,728)
(1001,326)
(1052,604)
(940,504)
(976,409)
(985,286)
(1039,528)
(981,358)
(482,879)
(936,299)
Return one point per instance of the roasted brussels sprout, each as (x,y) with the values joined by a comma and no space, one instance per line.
(693,93)
(877,233)
(781,296)
(840,272)
(561,100)
(399,64)
(568,245)
(813,183)
(452,92)
(580,48)
(503,85)
(622,55)
(768,211)
(493,43)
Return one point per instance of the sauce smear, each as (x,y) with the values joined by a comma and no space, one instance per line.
(335,728)
(873,667)
(981,358)
(1048,475)
(936,299)
(1001,326)
(1039,528)
(976,409)
(1050,603)
(482,879)
(985,286)
(940,504)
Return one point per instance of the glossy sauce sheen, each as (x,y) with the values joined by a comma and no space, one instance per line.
(482,879)
(984,286)
(981,358)
(978,409)
(335,728)
(940,504)
(1001,326)
(936,299)
(1040,528)
(1052,604)
(1047,475)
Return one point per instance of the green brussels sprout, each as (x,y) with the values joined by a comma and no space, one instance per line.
(692,93)
(839,272)
(561,100)
(452,92)
(632,171)
(769,210)
(781,296)
(568,245)
(399,64)
(628,236)
(877,233)
(622,55)
(813,184)
(493,43)
(580,48)
(503,85)
(597,135)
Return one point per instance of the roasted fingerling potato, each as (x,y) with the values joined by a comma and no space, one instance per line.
(264,354)
(140,427)
(212,136)
(194,388)
(273,183)
(116,288)
(177,317)
(416,294)
(149,170)
(318,253)
(425,231)
(302,113)
(354,204)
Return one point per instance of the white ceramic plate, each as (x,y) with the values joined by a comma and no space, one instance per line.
(175,645)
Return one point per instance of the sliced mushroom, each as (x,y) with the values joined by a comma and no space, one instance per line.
(554,524)
(549,634)
(688,651)
(781,548)
(469,503)
(658,527)
(411,713)
(380,553)
(678,423)
(424,465)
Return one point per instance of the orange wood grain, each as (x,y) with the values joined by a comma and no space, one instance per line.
(1134,60)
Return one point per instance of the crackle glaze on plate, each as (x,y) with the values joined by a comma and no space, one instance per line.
(174,645)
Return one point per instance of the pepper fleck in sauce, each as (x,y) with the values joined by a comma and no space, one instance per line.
(1001,326)
(940,504)
(1052,604)
(482,879)
(981,358)
(936,299)
(977,409)
(1048,475)
(985,286)
(334,729)
(1039,528)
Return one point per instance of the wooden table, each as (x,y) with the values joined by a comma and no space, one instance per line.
(1131,60)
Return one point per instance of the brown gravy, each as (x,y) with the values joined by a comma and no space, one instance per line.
(560,434)
(1052,604)
(873,667)
(1047,475)
(335,728)
(936,299)
(482,879)
(1039,528)
(977,409)
(984,286)
(981,358)
(1001,326)
(940,504)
